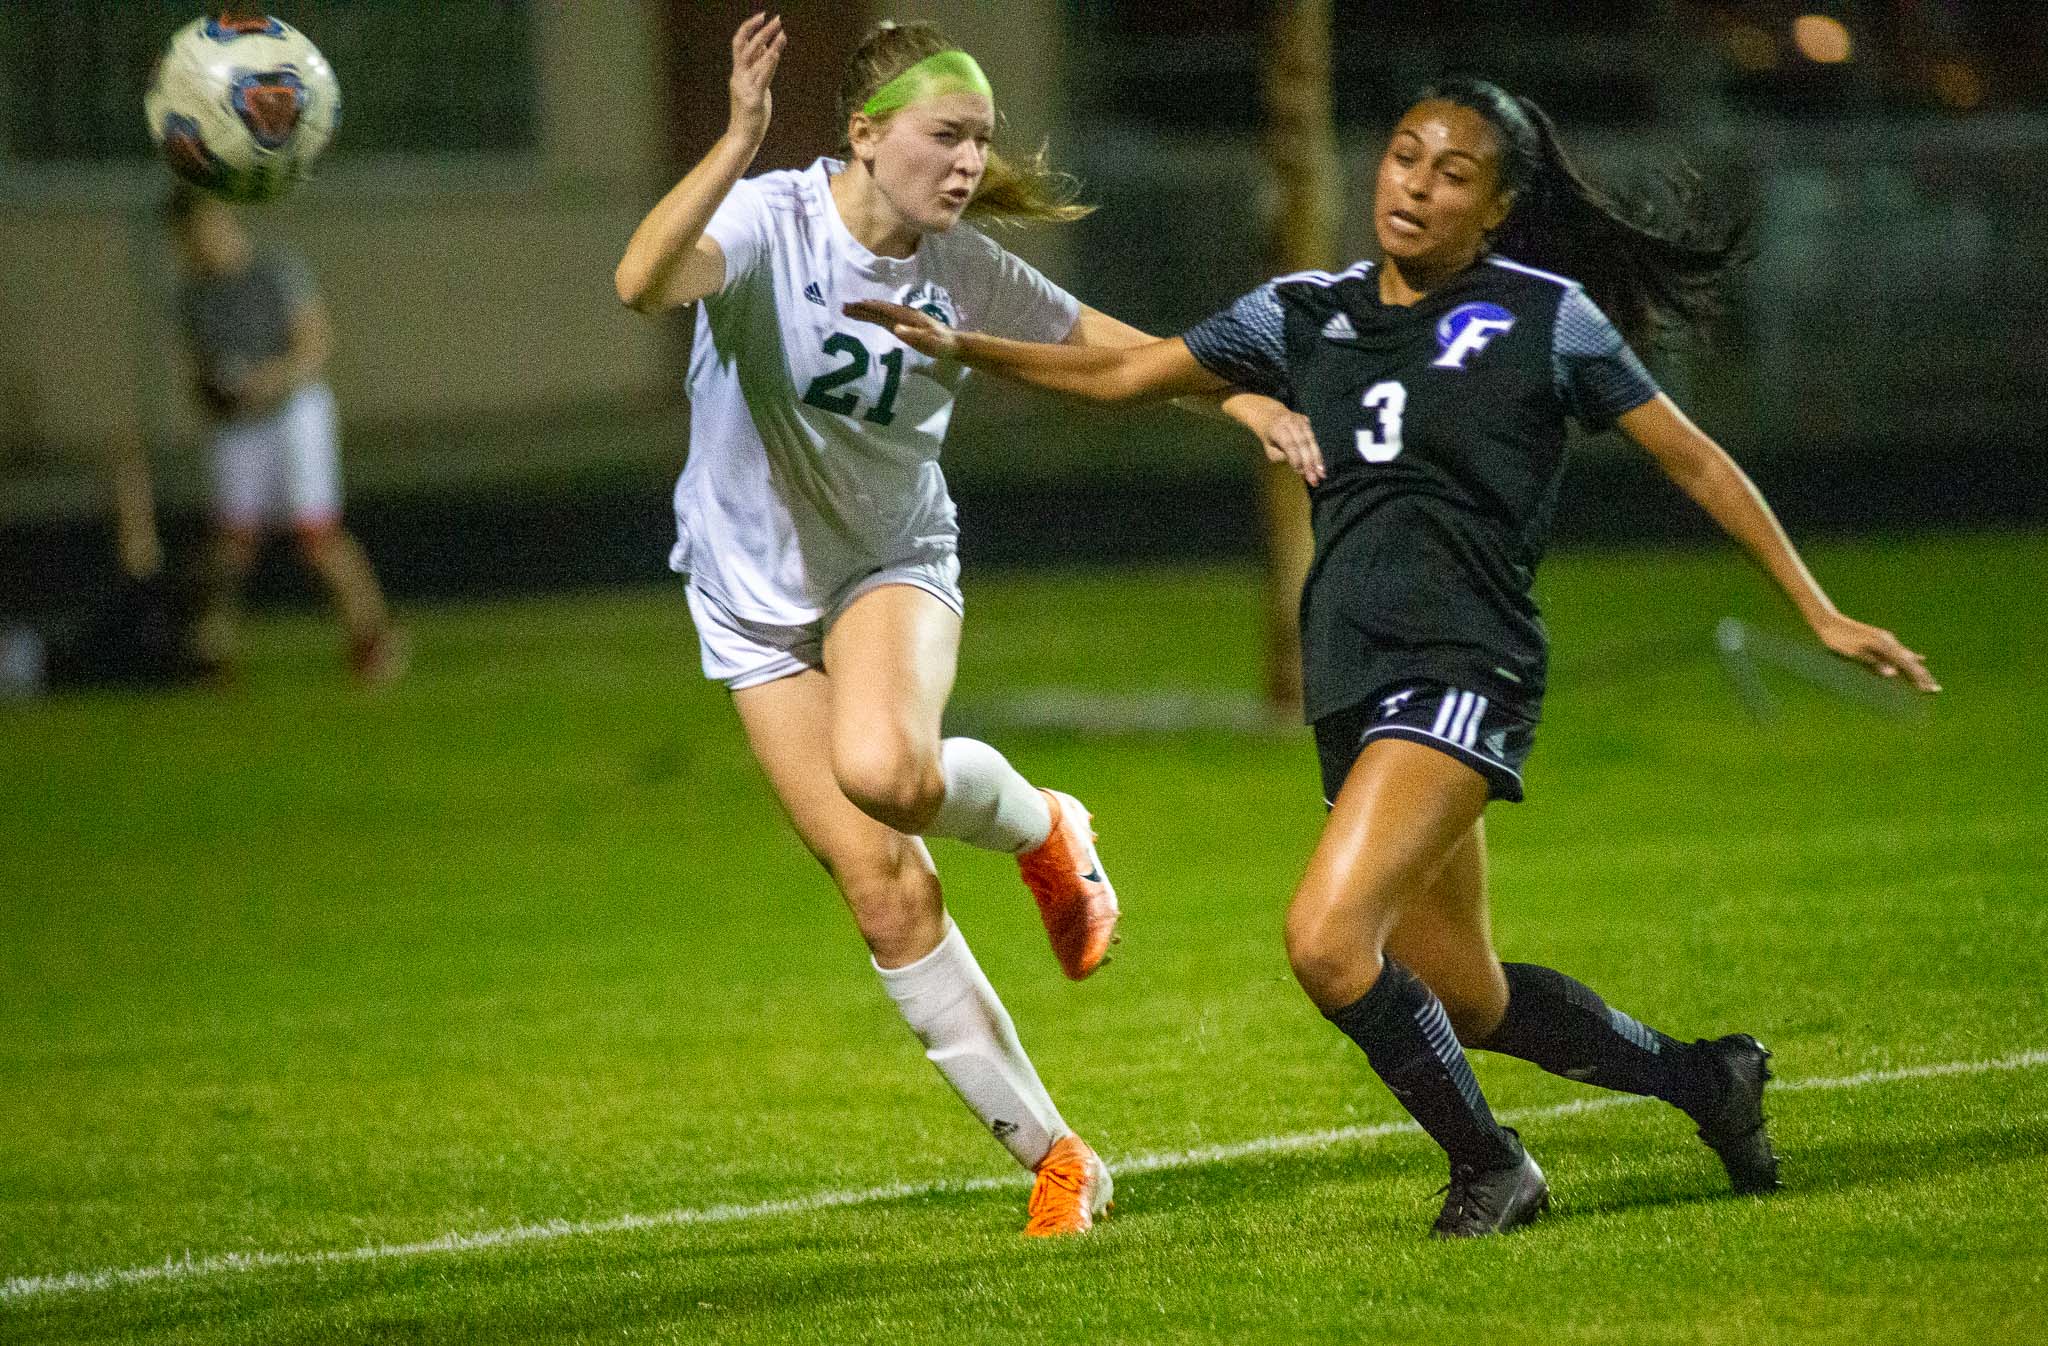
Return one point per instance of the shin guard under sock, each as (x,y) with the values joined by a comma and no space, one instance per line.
(1563,1026)
(1407,1037)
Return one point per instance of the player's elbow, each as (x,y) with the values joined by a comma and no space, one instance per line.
(635,286)
(631,294)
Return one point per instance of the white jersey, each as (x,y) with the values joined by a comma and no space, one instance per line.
(814,438)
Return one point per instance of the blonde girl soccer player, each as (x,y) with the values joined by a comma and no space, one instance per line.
(819,539)
(1436,385)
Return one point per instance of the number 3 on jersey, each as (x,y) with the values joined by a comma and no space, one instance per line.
(823,392)
(1380,442)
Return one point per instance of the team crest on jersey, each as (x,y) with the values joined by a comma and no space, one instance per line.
(933,301)
(1465,331)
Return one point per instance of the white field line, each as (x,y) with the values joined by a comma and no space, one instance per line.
(189,1267)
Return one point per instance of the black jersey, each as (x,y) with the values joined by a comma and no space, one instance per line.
(1442,428)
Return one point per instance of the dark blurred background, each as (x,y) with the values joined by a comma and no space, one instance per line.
(511,427)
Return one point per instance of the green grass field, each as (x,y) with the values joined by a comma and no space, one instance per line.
(524,945)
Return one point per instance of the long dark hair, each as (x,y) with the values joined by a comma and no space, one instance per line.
(1657,262)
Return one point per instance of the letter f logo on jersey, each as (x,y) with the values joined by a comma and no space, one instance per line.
(1466,330)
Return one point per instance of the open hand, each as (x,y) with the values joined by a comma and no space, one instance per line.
(919,331)
(756,51)
(1875,648)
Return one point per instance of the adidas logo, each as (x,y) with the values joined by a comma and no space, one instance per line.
(814,294)
(1339,328)
(1497,743)
(1003,1129)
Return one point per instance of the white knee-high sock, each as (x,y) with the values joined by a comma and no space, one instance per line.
(968,1035)
(988,803)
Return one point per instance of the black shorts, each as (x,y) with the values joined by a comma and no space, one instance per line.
(1491,739)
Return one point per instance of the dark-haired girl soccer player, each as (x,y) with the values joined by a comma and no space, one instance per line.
(1436,386)
(814,524)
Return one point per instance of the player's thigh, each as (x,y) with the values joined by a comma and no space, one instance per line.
(891,656)
(1446,938)
(787,723)
(1399,816)
(309,454)
(245,476)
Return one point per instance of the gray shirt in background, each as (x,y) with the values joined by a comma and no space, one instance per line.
(234,323)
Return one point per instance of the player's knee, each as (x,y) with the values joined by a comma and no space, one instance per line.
(1325,950)
(317,542)
(892,784)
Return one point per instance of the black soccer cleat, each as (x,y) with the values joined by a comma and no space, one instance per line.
(1492,1201)
(1736,1132)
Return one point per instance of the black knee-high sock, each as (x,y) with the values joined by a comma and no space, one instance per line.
(1408,1039)
(1563,1026)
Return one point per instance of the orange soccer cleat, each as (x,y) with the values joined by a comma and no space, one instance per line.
(1074,897)
(1073,1188)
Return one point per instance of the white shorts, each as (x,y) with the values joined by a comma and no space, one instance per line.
(282,469)
(742,653)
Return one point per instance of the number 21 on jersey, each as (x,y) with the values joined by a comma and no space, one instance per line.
(1380,441)
(824,393)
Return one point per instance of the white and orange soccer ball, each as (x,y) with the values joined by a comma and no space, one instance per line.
(242,106)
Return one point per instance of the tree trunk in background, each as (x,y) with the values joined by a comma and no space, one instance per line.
(697,64)
(1301,147)
(822,35)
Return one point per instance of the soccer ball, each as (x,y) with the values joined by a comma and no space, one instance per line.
(242,106)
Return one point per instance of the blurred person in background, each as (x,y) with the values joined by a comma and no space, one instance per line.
(1434,388)
(139,633)
(820,542)
(258,338)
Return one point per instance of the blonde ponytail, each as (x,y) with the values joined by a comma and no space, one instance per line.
(1030,192)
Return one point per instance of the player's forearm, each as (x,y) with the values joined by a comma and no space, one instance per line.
(1096,328)
(1213,406)
(1733,501)
(1097,373)
(272,380)
(305,362)
(1253,411)
(309,343)
(1079,371)
(667,238)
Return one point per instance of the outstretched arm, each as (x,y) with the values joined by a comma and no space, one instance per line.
(1703,470)
(1148,371)
(1283,435)
(668,261)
